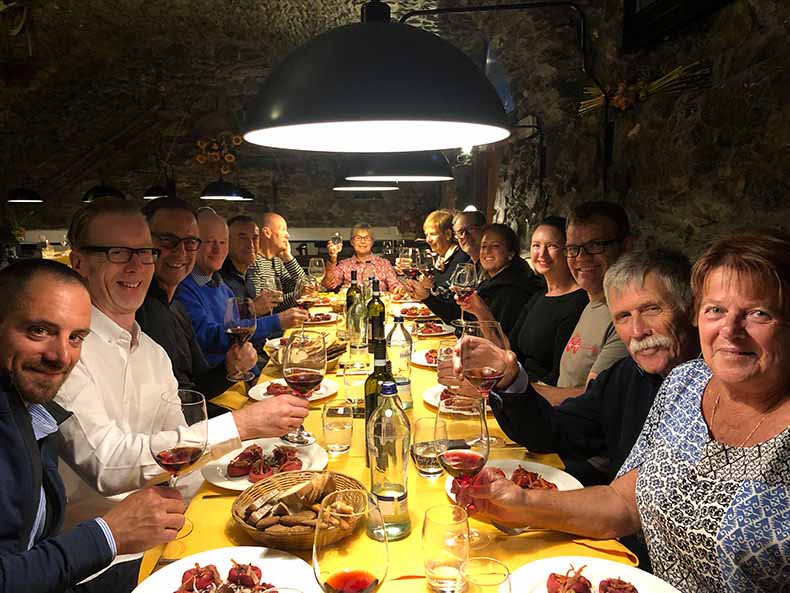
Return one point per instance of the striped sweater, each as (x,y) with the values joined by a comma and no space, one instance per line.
(285,273)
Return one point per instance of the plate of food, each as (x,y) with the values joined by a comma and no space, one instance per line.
(425,358)
(260,458)
(276,387)
(321,318)
(438,393)
(432,329)
(527,474)
(584,574)
(323,301)
(415,311)
(239,569)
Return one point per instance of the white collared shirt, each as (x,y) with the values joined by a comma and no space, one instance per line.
(113,393)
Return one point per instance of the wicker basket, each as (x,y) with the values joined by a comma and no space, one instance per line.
(282,482)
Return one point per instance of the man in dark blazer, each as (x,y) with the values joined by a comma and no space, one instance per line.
(44,317)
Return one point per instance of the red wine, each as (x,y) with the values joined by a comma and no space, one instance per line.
(305,303)
(178,459)
(483,378)
(462,464)
(462,291)
(303,381)
(352,581)
(241,334)
(411,273)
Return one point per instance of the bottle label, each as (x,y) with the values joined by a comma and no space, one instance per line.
(392,505)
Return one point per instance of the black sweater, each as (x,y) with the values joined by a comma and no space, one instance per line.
(508,292)
(441,302)
(604,421)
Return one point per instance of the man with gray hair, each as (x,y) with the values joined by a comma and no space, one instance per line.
(650,299)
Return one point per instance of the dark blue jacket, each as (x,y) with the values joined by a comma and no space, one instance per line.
(55,562)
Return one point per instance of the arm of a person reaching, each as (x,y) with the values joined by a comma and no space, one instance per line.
(599,512)
(556,395)
(272,417)
(333,275)
(144,519)
(293,271)
(391,282)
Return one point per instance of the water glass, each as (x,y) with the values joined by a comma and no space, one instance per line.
(354,375)
(424,451)
(445,546)
(484,575)
(338,427)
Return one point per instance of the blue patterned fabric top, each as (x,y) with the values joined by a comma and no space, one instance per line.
(716,518)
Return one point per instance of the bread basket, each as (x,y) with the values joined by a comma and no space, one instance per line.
(302,538)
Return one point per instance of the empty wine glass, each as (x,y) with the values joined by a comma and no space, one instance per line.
(445,546)
(178,436)
(240,325)
(463,282)
(350,547)
(485,575)
(304,367)
(315,268)
(273,286)
(336,239)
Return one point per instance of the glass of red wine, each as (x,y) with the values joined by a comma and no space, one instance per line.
(462,445)
(306,292)
(463,282)
(350,546)
(483,344)
(240,324)
(304,367)
(178,436)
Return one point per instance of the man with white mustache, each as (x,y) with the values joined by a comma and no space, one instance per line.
(650,299)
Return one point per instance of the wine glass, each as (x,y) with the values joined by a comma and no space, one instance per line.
(485,575)
(463,282)
(315,268)
(445,546)
(178,436)
(336,239)
(426,262)
(406,263)
(240,324)
(483,360)
(306,292)
(273,286)
(464,446)
(350,547)
(304,367)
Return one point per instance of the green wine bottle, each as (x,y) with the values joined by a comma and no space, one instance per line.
(374,381)
(376,315)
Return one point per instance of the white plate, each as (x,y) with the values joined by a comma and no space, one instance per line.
(531,578)
(332,319)
(313,457)
(396,310)
(564,481)
(432,397)
(278,568)
(328,388)
(447,330)
(418,357)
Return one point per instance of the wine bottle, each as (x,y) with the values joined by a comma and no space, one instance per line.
(375,379)
(399,345)
(354,293)
(376,314)
(389,435)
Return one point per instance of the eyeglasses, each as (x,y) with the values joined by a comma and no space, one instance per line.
(123,255)
(170,241)
(362,238)
(590,248)
(465,230)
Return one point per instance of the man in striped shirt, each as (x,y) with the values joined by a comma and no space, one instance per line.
(275,261)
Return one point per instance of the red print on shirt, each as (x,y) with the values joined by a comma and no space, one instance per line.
(575,344)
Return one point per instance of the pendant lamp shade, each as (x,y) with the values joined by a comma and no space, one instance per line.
(156,191)
(223,190)
(102,191)
(407,166)
(23,195)
(363,186)
(377,87)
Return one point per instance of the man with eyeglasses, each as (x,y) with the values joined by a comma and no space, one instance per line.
(362,241)
(174,229)
(114,390)
(597,234)
(468,231)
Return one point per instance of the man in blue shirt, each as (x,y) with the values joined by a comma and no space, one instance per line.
(204,294)
(45,317)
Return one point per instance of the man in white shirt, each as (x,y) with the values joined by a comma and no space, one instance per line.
(115,388)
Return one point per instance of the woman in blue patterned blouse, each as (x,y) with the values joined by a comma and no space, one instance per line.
(708,481)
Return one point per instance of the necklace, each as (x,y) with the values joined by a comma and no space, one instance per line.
(756,426)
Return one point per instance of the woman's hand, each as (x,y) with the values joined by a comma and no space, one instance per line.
(333,249)
(418,289)
(472,303)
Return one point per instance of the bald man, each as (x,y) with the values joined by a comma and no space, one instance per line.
(204,294)
(275,260)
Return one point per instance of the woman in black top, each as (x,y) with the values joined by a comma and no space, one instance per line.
(436,295)
(545,325)
(508,283)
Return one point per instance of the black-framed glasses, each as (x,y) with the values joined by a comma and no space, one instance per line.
(123,255)
(465,230)
(590,248)
(170,241)
(362,238)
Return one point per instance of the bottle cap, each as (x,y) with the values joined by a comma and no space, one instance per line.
(398,319)
(353,275)
(389,388)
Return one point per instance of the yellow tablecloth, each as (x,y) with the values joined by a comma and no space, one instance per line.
(215,528)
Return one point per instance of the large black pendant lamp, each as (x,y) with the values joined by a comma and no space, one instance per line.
(224,191)
(377,86)
(100,191)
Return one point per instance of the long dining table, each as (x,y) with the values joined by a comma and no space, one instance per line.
(214,527)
